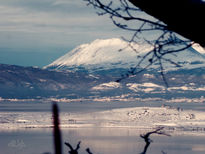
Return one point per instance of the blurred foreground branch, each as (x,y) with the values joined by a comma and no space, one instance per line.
(147,139)
(56,130)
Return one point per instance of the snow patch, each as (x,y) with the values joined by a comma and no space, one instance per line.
(146,87)
(198,48)
(107,86)
(186,88)
(148,75)
(42,80)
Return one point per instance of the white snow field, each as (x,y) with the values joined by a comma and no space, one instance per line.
(134,117)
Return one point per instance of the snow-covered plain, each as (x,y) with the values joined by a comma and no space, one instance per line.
(172,118)
(138,117)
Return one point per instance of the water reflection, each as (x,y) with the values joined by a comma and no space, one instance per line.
(100,141)
(121,141)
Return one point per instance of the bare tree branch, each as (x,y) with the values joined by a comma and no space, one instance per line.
(88,151)
(147,139)
(131,18)
(72,150)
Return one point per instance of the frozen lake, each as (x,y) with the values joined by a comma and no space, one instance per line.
(17,137)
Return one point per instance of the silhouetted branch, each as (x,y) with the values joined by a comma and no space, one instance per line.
(124,11)
(182,22)
(88,151)
(148,140)
(131,18)
(75,151)
(163,152)
(72,150)
(56,130)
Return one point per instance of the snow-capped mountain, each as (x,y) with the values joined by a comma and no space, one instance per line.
(116,53)
(100,54)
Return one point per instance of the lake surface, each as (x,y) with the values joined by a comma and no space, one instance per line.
(99,140)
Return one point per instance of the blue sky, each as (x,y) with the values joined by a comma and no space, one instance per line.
(36,32)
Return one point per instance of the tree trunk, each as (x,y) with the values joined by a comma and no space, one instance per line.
(185,17)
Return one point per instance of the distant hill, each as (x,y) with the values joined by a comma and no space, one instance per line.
(32,82)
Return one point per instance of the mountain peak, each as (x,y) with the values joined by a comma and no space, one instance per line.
(106,53)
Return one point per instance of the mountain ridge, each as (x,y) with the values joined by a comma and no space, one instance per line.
(30,82)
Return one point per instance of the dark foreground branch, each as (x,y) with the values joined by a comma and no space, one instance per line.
(72,150)
(75,151)
(130,18)
(56,130)
(147,139)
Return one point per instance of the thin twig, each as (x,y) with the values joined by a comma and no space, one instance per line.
(125,13)
(72,150)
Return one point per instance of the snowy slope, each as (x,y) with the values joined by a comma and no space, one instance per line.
(101,53)
(108,54)
(199,48)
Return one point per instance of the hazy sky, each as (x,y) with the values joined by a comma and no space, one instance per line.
(36,32)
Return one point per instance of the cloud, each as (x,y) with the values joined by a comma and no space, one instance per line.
(48,26)
(68,2)
(51,23)
(19,19)
(57,6)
